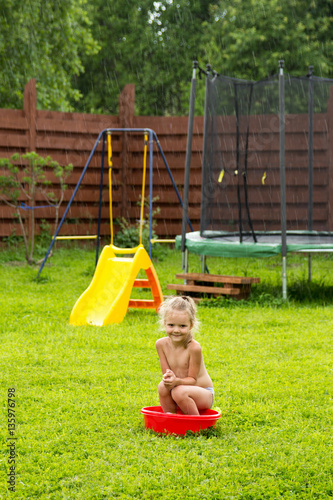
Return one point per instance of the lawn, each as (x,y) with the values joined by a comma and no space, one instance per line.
(79,390)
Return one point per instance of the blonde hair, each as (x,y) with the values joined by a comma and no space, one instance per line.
(179,303)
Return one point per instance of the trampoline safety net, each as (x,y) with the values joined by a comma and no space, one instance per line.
(241,183)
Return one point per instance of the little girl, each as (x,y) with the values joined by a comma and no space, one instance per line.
(185,381)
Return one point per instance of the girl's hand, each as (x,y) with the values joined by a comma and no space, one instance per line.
(169,379)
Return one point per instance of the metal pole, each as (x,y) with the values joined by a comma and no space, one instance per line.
(151,151)
(188,155)
(310,151)
(171,176)
(309,268)
(206,182)
(203,264)
(283,182)
(69,203)
(100,200)
(185,263)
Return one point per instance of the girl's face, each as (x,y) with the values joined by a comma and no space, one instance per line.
(178,326)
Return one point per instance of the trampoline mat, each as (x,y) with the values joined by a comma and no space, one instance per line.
(267,245)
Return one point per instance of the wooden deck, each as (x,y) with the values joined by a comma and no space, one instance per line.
(198,285)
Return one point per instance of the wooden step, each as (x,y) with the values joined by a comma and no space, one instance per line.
(199,284)
(213,290)
(218,278)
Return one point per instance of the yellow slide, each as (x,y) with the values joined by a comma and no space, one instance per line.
(107,298)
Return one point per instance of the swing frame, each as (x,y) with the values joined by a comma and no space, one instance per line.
(150,138)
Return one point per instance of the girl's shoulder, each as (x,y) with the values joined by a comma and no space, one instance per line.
(194,346)
(162,341)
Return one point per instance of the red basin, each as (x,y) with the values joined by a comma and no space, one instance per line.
(179,423)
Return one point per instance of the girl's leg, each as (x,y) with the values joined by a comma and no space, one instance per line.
(191,399)
(167,403)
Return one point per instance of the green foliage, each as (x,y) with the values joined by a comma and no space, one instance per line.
(23,179)
(247,40)
(83,53)
(79,391)
(239,39)
(13,240)
(158,61)
(44,237)
(128,234)
(45,41)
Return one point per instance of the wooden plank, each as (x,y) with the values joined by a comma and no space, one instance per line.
(263,196)
(259,213)
(74,116)
(11,114)
(218,278)
(79,126)
(171,125)
(269,123)
(91,178)
(175,161)
(268,142)
(267,160)
(79,159)
(295,177)
(67,229)
(13,123)
(162,179)
(77,143)
(12,140)
(204,289)
(170,228)
(43,212)
(164,229)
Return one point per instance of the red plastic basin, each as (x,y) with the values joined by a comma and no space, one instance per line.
(179,423)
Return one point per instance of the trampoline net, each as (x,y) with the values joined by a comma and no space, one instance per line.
(241,188)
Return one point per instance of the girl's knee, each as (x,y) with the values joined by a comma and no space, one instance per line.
(162,390)
(178,393)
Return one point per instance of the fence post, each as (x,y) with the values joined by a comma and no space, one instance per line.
(126,120)
(30,110)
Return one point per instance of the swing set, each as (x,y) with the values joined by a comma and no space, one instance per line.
(108,297)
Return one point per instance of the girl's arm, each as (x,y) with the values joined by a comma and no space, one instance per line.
(163,361)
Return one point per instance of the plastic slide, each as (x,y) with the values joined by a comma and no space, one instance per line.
(107,298)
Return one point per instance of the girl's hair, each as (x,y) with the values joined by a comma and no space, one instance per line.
(179,303)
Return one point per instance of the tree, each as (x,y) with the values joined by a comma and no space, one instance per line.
(82,53)
(151,44)
(247,39)
(24,177)
(45,41)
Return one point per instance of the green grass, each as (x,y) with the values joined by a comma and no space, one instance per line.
(79,390)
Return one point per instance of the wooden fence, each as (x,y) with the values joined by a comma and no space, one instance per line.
(70,137)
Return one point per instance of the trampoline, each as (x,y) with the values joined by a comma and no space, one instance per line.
(267,171)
